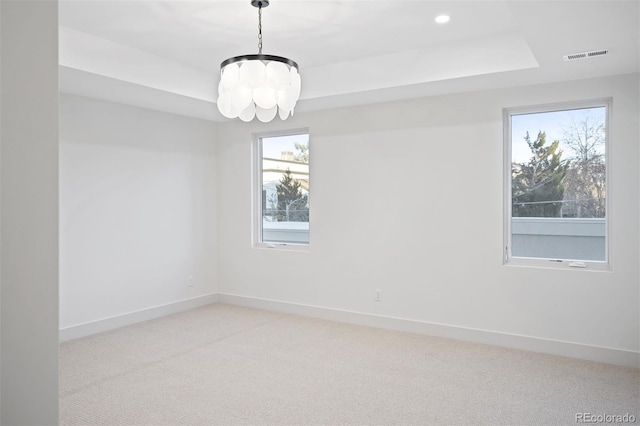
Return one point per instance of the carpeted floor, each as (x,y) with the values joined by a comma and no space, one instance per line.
(227,365)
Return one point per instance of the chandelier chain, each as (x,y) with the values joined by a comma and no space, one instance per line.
(260,28)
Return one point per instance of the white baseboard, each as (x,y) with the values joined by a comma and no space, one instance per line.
(513,341)
(105,324)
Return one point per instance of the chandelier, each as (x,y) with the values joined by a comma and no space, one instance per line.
(258,85)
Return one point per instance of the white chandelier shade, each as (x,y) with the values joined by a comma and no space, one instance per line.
(261,86)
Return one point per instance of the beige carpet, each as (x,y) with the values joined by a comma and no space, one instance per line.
(226,365)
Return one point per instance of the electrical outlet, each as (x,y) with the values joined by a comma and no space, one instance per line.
(190,281)
(378,295)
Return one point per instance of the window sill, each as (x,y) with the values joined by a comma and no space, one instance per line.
(282,246)
(578,265)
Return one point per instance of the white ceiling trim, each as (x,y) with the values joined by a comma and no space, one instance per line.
(480,56)
(92,54)
(93,66)
(83,83)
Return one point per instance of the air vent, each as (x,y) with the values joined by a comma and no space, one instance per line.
(584,55)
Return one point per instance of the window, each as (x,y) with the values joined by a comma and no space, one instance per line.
(281,195)
(556,197)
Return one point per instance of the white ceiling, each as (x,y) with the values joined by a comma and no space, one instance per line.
(166,55)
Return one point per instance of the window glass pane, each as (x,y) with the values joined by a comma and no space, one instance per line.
(558,184)
(285,189)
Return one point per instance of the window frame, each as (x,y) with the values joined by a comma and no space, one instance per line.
(257,193)
(585,265)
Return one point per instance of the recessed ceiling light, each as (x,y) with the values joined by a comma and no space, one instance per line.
(442,19)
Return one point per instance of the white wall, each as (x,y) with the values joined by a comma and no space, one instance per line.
(137,209)
(1,118)
(431,169)
(29,215)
